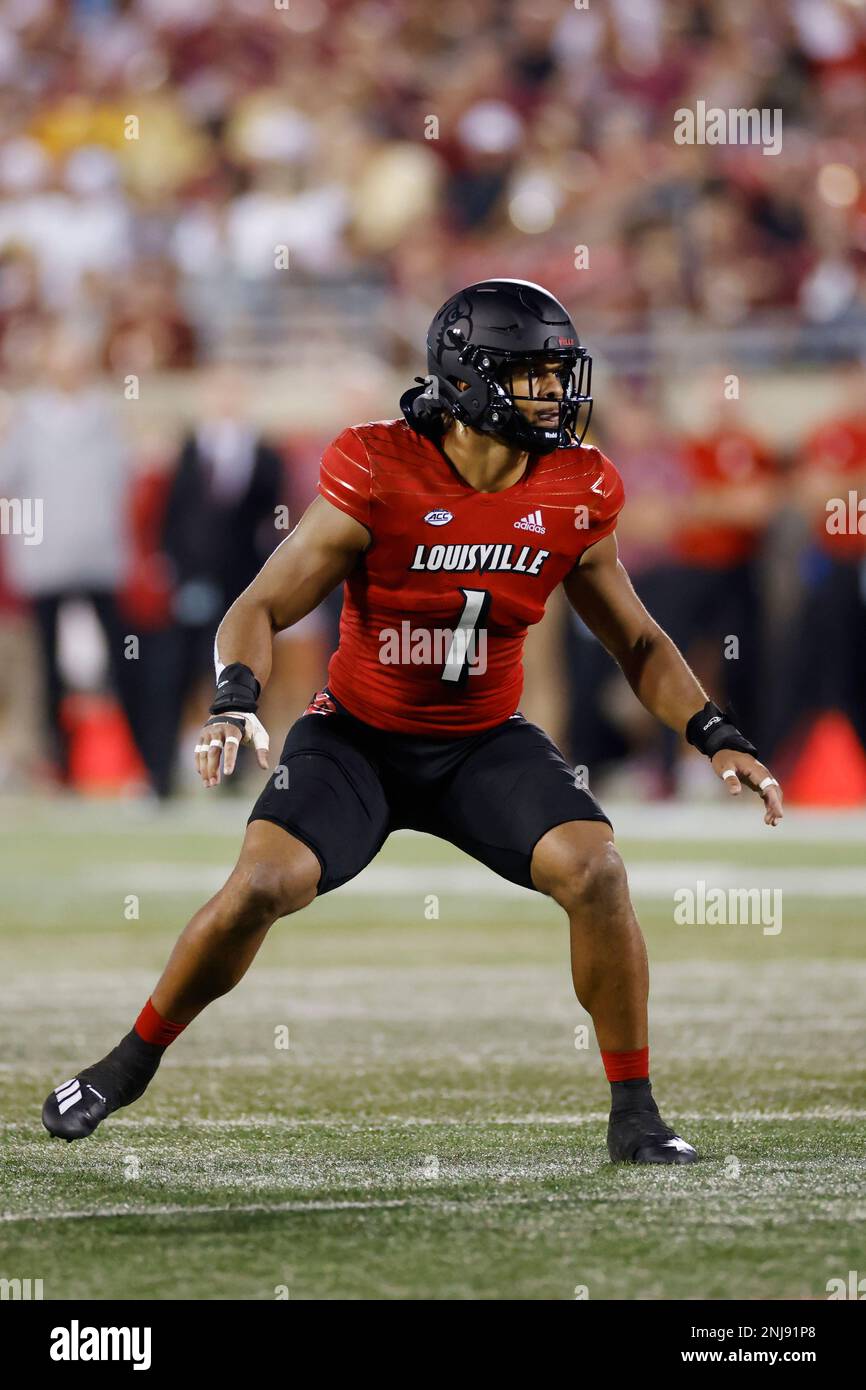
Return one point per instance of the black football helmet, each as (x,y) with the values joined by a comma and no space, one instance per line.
(484,337)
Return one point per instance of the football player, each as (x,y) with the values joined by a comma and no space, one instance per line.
(449,528)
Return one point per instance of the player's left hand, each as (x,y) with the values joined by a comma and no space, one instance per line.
(220,739)
(738,770)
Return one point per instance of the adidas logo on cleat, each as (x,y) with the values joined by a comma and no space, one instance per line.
(67,1095)
(641,1136)
(679,1144)
(531,522)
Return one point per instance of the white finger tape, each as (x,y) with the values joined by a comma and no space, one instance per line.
(767,782)
(215,743)
(233,738)
(729,772)
(201,748)
(254,730)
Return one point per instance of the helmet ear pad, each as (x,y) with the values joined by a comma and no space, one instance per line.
(482,403)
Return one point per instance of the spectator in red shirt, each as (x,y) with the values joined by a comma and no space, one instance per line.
(708,599)
(827,660)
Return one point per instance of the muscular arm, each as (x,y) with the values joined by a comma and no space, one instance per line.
(318,555)
(601,592)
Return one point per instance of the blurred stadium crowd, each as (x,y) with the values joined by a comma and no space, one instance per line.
(196,192)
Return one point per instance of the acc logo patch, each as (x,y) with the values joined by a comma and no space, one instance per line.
(439,518)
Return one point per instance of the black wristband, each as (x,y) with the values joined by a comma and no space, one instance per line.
(710,730)
(237,688)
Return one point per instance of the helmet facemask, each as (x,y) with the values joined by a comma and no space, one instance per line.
(488,401)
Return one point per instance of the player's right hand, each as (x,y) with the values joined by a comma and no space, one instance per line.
(220,741)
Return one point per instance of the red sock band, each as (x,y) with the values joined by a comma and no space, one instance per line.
(151,1027)
(625,1066)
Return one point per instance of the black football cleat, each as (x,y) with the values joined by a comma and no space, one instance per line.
(74,1109)
(641,1136)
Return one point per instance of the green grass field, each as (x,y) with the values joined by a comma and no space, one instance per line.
(431,1130)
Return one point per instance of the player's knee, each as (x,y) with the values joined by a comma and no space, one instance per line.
(590,880)
(260,892)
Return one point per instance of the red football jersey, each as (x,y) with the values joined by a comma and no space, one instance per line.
(435,614)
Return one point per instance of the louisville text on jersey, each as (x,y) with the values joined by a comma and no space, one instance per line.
(463,559)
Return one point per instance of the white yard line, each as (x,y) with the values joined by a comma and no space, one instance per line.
(279,1122)
(693,822)
(207,814)
(658,881)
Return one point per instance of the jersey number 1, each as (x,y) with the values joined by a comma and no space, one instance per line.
(462,646)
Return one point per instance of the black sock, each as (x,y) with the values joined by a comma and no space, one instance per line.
(634,1094)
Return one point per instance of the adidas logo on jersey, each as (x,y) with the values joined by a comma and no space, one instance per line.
(531,522)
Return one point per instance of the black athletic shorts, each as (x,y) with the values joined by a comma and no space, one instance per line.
(342,786)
